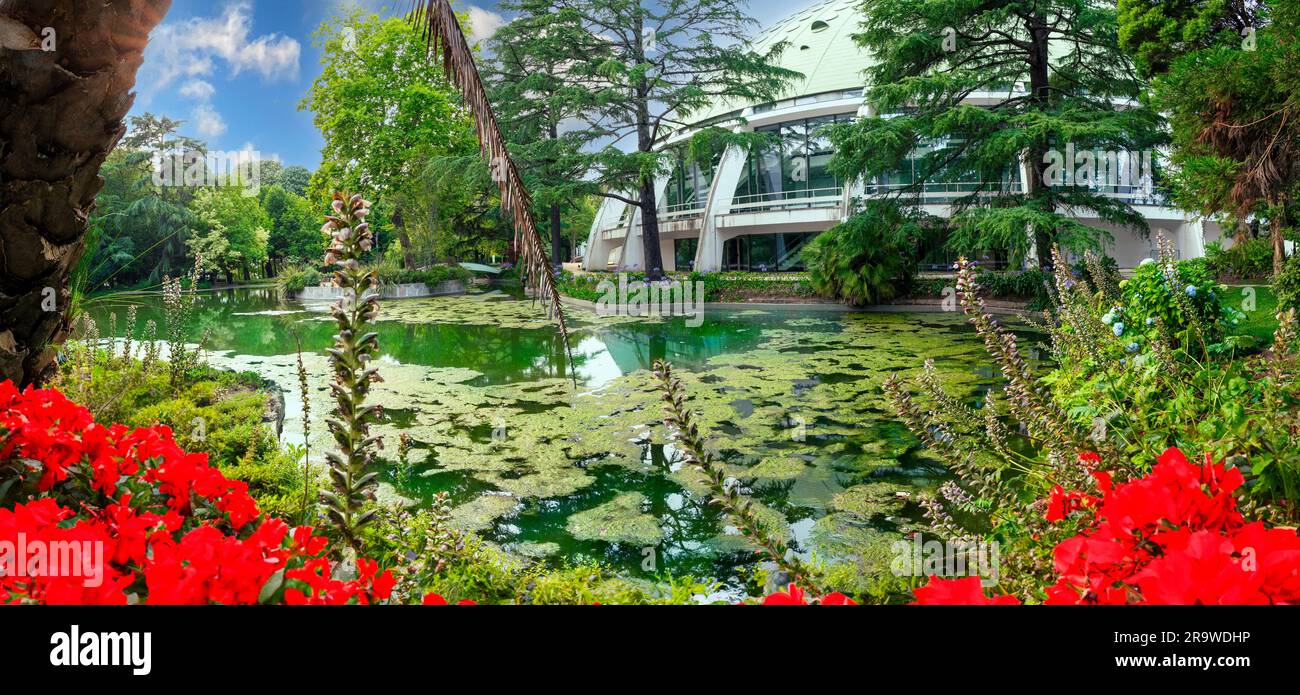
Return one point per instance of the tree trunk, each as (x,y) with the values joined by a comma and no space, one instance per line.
(60,117)
(408,256)
(654,262)
(556,258)
(1040,92)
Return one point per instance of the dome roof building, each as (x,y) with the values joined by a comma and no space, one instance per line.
(754,210)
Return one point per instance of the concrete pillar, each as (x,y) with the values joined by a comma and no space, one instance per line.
(1026,167)
(708,255)
(598,248)
(633,257)
(1191,239)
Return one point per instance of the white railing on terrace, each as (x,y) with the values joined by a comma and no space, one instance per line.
(788,200)
(948,192)
(694,206)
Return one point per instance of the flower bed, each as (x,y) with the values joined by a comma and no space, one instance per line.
(1173,536)
(168,527)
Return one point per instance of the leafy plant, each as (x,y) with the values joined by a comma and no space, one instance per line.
(354,348)
(295,278)
(867,259)
(1287,284)
(1249,260)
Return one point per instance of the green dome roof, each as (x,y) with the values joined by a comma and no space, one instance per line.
(820,46)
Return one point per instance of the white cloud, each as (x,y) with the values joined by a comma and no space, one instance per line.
(198,89)
(190,48)
(207,122)
(483,24)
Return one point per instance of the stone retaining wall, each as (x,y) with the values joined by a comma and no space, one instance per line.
(410,290)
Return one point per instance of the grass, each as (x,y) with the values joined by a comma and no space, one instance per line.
(1261,321)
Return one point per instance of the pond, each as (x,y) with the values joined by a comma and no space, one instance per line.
(555,466)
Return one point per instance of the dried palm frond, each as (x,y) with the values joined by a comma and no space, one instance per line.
(443,35)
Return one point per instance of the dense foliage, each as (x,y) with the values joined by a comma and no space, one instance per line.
(868,259)
(1053,76)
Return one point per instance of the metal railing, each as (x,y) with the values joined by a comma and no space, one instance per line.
(788,200)
(945,192)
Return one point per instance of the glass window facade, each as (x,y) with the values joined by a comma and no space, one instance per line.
(688,187)
(795,166)
(684,253)
(765,252)
(947,182)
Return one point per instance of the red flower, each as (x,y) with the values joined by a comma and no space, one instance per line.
(432,599)
(173,528)
(791,597)
(794,596)
(1174,536)
(966,591)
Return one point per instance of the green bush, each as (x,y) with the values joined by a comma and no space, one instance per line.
(1287,284)
(1023,285)
(1184,302)
(718,287)
(869,258)
(1252,260)
(295,278)
(216,412)
(392,274)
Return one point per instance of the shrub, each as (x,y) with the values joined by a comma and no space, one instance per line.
(389,273)
(867,259)
(219,413)
(1179,300)
(1287,284)
(1251,260)
(1126,407)
(1028,285)
(295,278)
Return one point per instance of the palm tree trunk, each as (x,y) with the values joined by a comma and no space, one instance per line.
(60,117)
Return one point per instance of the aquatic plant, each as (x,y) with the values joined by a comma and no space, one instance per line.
(354,349)
(723,491)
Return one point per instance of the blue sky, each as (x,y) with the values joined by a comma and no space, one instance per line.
(235,70)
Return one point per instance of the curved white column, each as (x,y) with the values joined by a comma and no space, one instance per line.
(598,247)
(708,254)
(633,256)
(1191,238)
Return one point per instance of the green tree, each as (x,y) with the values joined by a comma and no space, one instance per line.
(653,65)
(1229,84)
(537,89)
(1048,74)
(234,231)
(385,111)
(294,232)
(295,179)
(141,221)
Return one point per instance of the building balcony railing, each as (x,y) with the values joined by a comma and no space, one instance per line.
(945,192)
(788,200)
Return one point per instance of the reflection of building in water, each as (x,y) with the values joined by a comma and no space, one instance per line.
(637,346)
